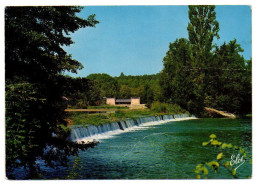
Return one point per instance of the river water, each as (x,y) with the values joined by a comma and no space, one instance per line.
(167,151)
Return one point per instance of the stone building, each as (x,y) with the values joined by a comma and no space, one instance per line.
(123,102)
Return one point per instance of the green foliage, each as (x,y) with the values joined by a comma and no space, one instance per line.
(200,168)
(213,136)
(125,92)
(81,92)
(166,108)
(31,123)
(108,86)
(159,107)
(74,173)
(34,61)
(202,29)
(126,86)
(144,86)
(196,76)
(175,78)
(34,37)
(219,156)
(223,158)
(20,126)
(231,80)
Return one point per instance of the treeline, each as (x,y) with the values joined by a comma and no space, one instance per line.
(144,86)
(95,88)
(197,74)
(222,82)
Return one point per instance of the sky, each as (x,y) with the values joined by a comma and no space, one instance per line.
(134,39)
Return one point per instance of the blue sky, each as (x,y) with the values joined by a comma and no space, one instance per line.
(134,39)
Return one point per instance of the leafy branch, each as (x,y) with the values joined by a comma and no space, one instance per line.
(221,159)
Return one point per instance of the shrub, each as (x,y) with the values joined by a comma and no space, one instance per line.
(166,108)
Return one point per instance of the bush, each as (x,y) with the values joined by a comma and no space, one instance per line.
(158,107)
(166,108)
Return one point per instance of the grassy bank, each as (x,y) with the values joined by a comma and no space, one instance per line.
(83,118)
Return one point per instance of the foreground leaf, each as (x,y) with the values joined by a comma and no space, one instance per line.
(219,156)
(213,136)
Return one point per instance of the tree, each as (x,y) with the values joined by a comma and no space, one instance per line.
(34,61)
(122,75)
(233,88)
(202,29)
(147,94)
(134,86)
(175,79)
(107,84)
(195,75)
(34,40)
(125,92)
(80,92)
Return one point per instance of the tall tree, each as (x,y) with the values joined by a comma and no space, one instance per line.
(202,29)
(195,75)
(34,60)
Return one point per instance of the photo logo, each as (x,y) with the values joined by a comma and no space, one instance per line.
(237,160)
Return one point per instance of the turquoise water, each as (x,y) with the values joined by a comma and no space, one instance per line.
(167,151)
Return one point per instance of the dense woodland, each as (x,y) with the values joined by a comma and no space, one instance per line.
(196,74)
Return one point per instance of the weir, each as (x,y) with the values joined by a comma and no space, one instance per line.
(91,132)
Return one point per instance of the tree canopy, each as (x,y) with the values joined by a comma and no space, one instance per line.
(196,74)
(34,61)
(202,29)
(107,84)
(176,78)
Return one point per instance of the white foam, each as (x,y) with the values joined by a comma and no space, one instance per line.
(110,134)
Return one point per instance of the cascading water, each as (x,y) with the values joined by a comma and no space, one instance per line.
(91,132)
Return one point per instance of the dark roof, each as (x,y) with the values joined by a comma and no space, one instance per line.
(123,100)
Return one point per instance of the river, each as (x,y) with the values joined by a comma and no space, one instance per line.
(166,151)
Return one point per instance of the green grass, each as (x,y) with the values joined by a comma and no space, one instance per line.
(84,118)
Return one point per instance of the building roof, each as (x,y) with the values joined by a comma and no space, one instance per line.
(123,100)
